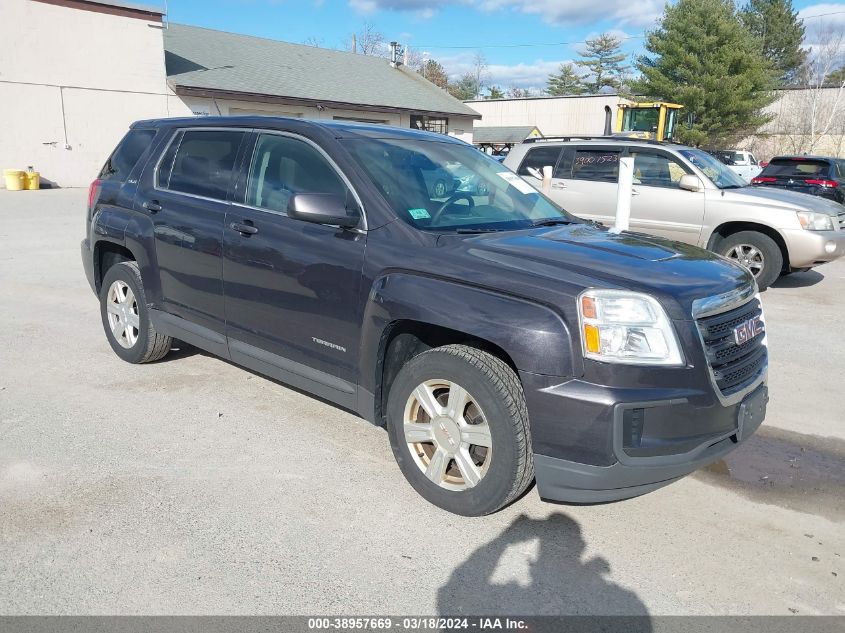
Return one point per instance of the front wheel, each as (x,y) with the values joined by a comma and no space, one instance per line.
(458,426)
(757,252)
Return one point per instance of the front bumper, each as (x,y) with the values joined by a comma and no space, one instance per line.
(636,445)
(811,248)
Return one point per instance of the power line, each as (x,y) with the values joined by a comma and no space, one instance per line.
(540,45)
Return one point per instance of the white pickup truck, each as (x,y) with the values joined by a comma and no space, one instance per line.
(740,161)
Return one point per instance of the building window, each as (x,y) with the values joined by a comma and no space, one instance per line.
(430,124)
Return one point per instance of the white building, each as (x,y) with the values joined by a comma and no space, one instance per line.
(75,73)
(554,116)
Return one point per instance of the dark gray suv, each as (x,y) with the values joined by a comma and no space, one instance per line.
(497,338)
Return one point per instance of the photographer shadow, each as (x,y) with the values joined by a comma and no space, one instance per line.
(561,582)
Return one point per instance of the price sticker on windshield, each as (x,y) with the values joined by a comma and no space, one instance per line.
(517,182)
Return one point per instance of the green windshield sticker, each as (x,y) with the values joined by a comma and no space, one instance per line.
(419,214)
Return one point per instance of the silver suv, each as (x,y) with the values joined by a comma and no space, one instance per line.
(685,194)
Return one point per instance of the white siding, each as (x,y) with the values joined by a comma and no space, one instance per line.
(554,116)
(72,81)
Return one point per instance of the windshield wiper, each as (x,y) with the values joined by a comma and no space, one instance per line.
(479,230)
(551,222)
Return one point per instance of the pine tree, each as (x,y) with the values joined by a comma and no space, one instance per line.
(495,93)
(836,78)
(565,82)
(703,57)
(435,73)
(780,33)
(603,57)
(465,88)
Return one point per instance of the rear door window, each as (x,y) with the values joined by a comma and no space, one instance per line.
(596,163)
(796,168)
(126,155)
(539,157)
(200,163)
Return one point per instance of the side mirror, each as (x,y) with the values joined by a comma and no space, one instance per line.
(323,208)
(690,182)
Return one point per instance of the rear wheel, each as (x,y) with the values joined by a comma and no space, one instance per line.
(458,427)
(757,252)
(126,319)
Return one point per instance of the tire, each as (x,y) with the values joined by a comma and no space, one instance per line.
(494,412)
(138,343)
(762,250)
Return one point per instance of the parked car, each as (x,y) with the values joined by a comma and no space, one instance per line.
(815,175)
(498,340)
(467,180)
(685,194)
(739,161)
(439,181)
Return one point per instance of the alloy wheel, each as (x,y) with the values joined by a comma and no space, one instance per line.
(447,434)
(748,256)
(122,310)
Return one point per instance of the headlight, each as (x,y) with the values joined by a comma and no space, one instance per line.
(618,326)
(815,221)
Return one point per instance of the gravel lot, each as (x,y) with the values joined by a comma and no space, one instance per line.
(193,486)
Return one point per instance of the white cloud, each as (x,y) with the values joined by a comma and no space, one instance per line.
(825,36)
(531,75)
(638,13)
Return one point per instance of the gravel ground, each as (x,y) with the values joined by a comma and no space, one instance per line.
(192,486)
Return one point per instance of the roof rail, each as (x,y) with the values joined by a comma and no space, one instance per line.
(612,139)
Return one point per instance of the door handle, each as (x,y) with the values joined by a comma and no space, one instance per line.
(152,206)
(634,192)
(243,229)
(558,185)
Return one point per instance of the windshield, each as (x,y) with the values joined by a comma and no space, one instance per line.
(446,186)
(716,171)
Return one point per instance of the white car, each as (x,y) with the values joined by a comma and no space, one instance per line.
(740,162)
(685,194)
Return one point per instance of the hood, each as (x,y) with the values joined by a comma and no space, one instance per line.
(772,197)
(566,260)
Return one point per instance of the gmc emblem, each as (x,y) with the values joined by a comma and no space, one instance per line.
(747,330)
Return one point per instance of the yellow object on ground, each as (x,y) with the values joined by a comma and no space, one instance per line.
(32,180)
(15,179)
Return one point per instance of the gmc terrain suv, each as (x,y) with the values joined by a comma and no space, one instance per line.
(498,338)
(686,194)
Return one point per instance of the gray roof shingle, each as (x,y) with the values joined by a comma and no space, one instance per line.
(216,60)
(503,134)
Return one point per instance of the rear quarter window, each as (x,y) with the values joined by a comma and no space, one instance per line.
(539,157)
(126,154)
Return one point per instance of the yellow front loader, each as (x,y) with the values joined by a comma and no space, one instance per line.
(654,121)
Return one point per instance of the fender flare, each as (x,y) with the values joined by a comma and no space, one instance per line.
(536,337)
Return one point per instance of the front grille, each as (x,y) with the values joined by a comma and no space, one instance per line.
(734,366)
(842,220)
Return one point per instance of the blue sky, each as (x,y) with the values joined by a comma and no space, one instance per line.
(439,27)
